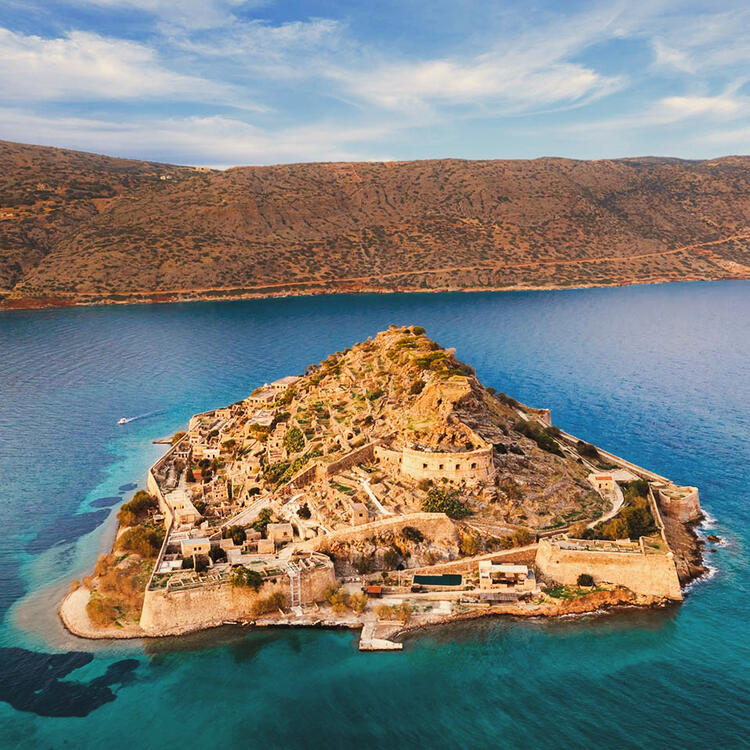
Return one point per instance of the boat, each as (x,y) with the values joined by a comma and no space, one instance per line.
(124,420)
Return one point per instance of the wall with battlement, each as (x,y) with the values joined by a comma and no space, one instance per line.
(647,574)
(469,466)
(172,612)
(436,526)
(680,503)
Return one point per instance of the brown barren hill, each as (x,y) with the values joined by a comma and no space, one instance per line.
(80,228)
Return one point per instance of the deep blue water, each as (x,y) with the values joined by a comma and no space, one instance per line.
(658,374)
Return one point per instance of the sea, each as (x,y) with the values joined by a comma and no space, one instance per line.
(659,374)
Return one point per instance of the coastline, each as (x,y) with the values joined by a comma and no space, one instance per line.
(72,612)
(218,295)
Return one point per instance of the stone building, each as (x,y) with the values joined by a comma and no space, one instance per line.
(359,514)
(280,533)
(470,466)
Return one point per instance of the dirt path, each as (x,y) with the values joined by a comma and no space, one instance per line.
(424,272)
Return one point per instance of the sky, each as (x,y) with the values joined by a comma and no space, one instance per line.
(230,82)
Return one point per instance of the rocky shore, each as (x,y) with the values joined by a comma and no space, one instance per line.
(73,614)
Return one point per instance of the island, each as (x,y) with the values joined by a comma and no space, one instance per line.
(384,489)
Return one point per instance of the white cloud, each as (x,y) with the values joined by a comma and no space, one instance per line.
(700,42)
(187,14)
(85,67)
(674,108)
(739,136)
(213,141)
(490,79)
(671,57)
(295,49)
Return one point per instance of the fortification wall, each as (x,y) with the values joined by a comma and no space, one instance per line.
(680,503)
(649,574)
(167,612)
(357,456)
(470,466)
(319,469)
(307,476)
(520,556)
(435,526)
(171,612)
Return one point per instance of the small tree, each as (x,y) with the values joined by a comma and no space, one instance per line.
(403,612)
(522,537)
(294,440)
(412,534)
(363,565)
(201,563)
(236,533)
(585,579)
(304,511)
(242,576)
(445,500)
(358,602)
(469,545)
(261,523)
(384,612)
(391,559)
(217,554)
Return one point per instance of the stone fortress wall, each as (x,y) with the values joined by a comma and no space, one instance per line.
(435,526)
(646,574)
(172,612)
(471,466)
(680,503)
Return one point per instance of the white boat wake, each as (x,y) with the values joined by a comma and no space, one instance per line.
(126,420)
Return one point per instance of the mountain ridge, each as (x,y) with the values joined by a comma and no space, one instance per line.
(79,228)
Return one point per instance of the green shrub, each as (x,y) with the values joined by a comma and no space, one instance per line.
(235,533)
(363,565)
(242,576)
(294,440)
(412,534)
(136,509)
(261,523)
(201,563)
(271,603)
(417,387)
(391,559)
(585,579)
(443,500)
(522,537)
(587,449)
(540,436)
(143,540)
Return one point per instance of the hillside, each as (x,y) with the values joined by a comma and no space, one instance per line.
(78,227)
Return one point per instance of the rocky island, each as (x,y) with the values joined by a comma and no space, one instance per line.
(384,489)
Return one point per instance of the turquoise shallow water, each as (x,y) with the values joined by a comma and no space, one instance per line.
(658,374)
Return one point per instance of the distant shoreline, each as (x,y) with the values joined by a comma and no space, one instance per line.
(152,298)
